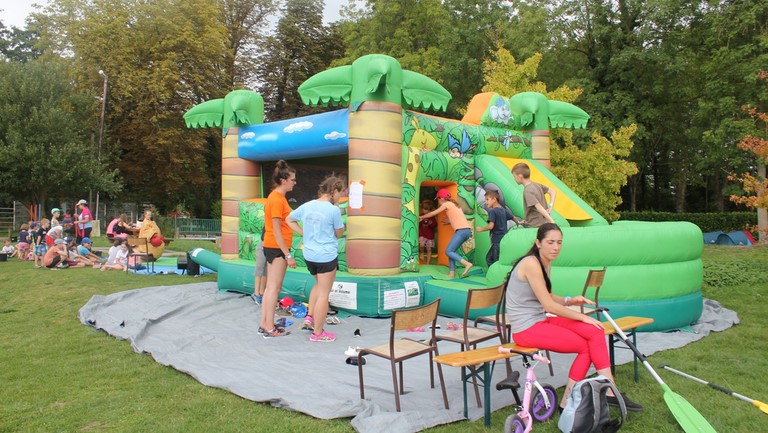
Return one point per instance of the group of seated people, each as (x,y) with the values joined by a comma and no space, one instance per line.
(53,244)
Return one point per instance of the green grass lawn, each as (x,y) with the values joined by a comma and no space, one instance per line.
(57,375)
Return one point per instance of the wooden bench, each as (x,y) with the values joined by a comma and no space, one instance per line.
(485,356)
(629,325)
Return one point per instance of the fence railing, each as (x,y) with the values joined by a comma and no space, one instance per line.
(7,222)
(197,228)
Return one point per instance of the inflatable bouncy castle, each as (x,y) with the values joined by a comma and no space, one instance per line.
(394,158)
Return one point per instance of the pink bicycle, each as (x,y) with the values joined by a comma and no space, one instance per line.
(538,399)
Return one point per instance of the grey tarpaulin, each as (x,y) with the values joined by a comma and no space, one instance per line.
(212,337)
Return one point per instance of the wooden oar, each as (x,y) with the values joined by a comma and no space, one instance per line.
(760,405)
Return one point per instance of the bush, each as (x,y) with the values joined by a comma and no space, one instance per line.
(707,222)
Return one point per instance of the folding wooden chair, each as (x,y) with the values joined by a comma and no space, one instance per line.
(140,253)
(398,350)
(469,336)
(594,282)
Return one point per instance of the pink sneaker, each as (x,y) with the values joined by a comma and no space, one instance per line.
(325,337)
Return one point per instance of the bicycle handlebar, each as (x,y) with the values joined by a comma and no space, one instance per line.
(535,355)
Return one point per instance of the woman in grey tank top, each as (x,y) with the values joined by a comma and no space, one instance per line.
(530,298)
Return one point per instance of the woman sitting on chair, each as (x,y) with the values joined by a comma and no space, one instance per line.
(150,231)
(119,227)
(530,298)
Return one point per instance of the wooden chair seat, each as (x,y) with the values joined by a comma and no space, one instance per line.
(404,348)
(474,335)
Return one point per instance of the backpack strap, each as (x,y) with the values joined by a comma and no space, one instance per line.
(618,422)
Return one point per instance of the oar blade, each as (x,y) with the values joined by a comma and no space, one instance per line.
(687,416)
(761,405)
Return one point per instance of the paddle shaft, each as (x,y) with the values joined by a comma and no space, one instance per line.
(629,344)
(757,403)
(686,415)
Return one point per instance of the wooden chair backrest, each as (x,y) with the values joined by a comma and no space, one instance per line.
(594,279)
(414,317)
(483,298)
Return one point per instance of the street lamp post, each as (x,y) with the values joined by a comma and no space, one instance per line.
(101,129)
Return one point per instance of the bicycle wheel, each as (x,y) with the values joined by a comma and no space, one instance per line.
(539,409)
(514,424)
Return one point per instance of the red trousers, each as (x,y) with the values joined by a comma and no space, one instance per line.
(562,335)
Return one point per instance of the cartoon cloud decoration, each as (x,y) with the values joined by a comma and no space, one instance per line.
(238,108)
(374,77)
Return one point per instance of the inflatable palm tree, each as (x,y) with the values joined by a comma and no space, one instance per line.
(239,177)
(374,87)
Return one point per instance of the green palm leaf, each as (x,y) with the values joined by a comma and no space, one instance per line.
(204,115)
(563,114)
(422,91)
(331,87)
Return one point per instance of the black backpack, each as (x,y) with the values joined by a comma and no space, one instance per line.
(587,411)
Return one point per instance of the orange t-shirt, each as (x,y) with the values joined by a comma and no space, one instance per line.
(277,207)
(456,216)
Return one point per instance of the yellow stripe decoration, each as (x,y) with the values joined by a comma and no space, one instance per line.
(387,181)
(373,228)
(237,187)
(376,125)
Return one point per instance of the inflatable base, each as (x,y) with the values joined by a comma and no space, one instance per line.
(378,296)
(360,295)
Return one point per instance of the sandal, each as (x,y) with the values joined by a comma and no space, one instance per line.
(332,320)
(454,326)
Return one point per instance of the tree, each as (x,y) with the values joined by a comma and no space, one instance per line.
(756,186)
(408,30)
(161,57)
(598,171)
(300,48)
(245,21)
(46,149)
(18,45)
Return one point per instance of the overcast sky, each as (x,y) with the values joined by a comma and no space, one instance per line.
(15,11)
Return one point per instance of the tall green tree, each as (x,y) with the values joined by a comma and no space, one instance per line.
(467,39)
(408,30)
(161,57)
(300,48)
(46,147)
(246,22)
(597,170)
(18,45)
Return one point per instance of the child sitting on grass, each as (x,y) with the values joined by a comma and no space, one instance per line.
(118,257)
(84,250)
(8,248)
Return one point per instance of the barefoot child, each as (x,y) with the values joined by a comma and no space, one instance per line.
(461,230)
(427,232)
